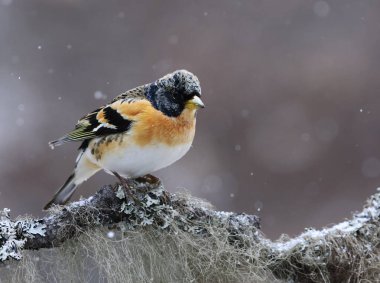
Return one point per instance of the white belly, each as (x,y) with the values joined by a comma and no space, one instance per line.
(137,161)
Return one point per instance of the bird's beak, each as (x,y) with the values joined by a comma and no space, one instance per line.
(195,103)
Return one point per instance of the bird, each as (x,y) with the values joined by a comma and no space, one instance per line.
(142,130)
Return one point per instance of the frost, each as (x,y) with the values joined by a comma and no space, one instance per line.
(146,221)
(11,249)
(34,229)
(151,201)
(14,234)
(149,210)
(81,202)
(127,208)
(120,193)
(370,213)
(5,214)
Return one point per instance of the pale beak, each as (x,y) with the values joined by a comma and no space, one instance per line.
(196,102)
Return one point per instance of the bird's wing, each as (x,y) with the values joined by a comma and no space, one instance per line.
(115,117)
(131,95)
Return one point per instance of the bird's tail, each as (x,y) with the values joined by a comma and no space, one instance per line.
(83,170)
(64,193)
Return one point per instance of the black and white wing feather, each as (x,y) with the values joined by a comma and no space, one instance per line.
(103,121)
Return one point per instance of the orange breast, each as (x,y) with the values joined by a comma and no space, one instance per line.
(152,127)
(149,127)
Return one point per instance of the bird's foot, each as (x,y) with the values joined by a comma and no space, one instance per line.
(153,180)
(126,184)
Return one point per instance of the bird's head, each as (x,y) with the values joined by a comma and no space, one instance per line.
(175,92)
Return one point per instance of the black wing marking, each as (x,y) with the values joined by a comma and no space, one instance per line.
(103,121)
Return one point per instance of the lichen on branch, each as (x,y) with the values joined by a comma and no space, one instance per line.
(14,234)
(166,237)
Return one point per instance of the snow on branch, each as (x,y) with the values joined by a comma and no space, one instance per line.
(212,246)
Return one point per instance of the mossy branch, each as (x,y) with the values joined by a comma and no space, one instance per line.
(346,252)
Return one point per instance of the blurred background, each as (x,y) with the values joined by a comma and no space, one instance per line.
(291,130)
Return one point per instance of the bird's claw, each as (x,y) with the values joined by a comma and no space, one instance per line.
(148,178)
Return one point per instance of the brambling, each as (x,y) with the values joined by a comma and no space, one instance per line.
(142,130)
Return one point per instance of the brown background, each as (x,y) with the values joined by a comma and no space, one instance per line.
(292,123)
